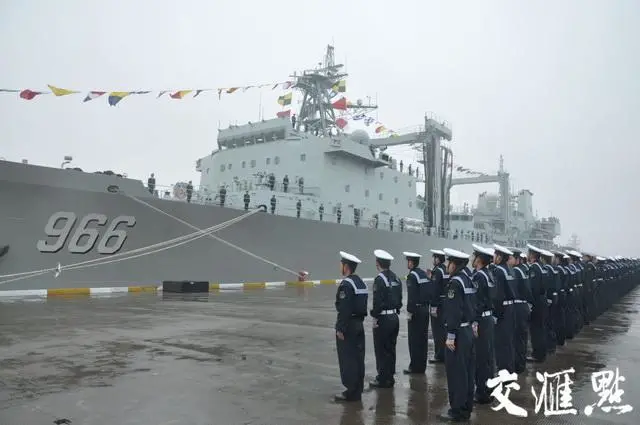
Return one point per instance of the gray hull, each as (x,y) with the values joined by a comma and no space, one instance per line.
(31,195)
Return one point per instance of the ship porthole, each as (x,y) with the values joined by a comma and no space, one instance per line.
(113,188)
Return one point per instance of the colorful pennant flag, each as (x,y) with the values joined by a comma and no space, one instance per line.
(286,99)
(180,94)
(340,86)
(340,104)
(61,92)
(117,96)
(93,95)
(341,123)
(284,114)
(29,94)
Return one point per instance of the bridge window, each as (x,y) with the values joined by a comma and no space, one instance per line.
(244,164)
(303,157)
(276,160)
(395,201)
(268,161)
(366,193)
(221,167)
(229,166)
(381,175)
(380,197)
(409,183)
(207,171)
(253,163)
(333,161)
(410,204)
(395,179)
(347,188)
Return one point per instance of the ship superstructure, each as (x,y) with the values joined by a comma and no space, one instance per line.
(508,218)
(348,174)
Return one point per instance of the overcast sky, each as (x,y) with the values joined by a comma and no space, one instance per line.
(554,86)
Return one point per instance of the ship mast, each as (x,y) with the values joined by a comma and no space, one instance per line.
(317,114)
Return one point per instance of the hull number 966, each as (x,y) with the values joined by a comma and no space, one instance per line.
(82,238)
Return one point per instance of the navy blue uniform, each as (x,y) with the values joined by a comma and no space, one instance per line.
(552,288)
(351,304)
(459,313)
(485,356)
(538,312)
(386,303)
(505,313)
(561,321)
(521,306)
(440,281)
(418,298)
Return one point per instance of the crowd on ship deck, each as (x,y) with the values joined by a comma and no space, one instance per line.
(483,321)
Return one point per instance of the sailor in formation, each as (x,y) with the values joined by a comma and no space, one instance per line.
(481,313)
(387,302)
(351,305)
(418,299)
(504,309)
(440,280)
(459,313)
(522,309)
(485,297)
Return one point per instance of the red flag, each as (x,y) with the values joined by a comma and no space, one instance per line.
(29,94)
(340,104)
(284,114)
(341,123)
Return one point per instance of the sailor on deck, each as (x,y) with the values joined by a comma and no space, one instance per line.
(504,309)
(537,276)
(485,356)
(387,301)
(418,298)
(521,303)
(439,281)
(459,313)
(351,304)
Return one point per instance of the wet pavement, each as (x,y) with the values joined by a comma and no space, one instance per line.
(252,357)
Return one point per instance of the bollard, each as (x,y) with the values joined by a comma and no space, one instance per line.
(302,276)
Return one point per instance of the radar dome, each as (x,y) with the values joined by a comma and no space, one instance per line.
(360,136)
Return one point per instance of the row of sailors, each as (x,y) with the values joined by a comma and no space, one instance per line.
(480,320)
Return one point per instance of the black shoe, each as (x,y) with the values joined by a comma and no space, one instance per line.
(435,361)
(411,372)
(451,418)
(377,384)
(341,398)
(4,250)
(534,360)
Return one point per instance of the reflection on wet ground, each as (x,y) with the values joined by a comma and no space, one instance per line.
(253,357)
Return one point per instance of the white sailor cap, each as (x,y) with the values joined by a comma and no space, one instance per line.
(502,250)
(349,257)
(599,258)
(454,253)
(483,250)
(565,256)
(534,248)
(382,254)
(523,255)
(546,253)
(409,254)
(438,252)
(574,253)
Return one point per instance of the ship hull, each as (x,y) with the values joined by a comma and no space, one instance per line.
(296,244)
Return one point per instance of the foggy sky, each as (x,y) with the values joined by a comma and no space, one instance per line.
(552,86)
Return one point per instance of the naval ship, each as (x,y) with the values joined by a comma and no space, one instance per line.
(64,227)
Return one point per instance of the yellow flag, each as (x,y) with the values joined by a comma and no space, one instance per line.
(61,92)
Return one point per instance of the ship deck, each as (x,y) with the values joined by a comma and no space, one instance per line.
(247,357)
